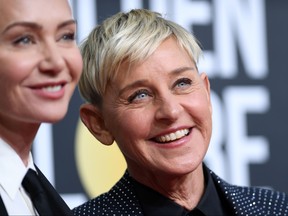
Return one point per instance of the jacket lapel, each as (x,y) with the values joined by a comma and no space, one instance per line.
(239,197)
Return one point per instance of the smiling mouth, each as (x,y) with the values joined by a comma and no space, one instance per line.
(172,136)
(52,88)
(49,88)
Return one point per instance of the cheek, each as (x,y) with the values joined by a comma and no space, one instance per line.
(206,122)
(130,135)
(11,74)
(199,105)
(75,63)
(200,110)
(130,125)
(15,67)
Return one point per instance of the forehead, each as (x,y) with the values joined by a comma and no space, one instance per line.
(168,55)
(168,59)
(33,11)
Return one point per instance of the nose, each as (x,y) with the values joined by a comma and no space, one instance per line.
(52,60)
(169,109)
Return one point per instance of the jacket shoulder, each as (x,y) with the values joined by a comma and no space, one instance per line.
(119,200)
(253,200)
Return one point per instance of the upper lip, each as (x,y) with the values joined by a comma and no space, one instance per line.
(46,84)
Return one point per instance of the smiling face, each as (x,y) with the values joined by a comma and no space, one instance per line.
(160,113)
(40,61)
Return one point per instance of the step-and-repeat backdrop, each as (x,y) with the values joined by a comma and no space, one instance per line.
(246,57)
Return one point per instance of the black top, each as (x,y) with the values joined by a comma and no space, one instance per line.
(211,204)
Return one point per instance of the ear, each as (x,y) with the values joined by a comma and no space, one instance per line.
(92,118)
(206,82)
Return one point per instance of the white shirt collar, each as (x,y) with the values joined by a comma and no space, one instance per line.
(12,169)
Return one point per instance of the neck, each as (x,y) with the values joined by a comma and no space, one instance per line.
(20,137)
(186,190)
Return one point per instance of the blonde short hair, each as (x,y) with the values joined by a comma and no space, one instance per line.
(131,36)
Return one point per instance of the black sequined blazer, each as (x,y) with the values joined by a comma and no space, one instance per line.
(121,200)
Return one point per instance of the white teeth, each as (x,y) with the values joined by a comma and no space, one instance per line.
(173,136)
(53,88)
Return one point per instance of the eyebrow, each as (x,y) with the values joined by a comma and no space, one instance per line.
(66,23)
(182,69)
(33,25)
(143,81)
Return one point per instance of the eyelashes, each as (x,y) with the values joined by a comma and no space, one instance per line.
(138,95)
(183,82)
(28,39)
(69,36)
(24,40)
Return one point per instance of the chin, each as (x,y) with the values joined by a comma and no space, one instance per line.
(188,167)
(54,117)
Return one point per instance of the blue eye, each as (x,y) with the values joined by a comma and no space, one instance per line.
(139,95)
(25,40)
(183,82)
